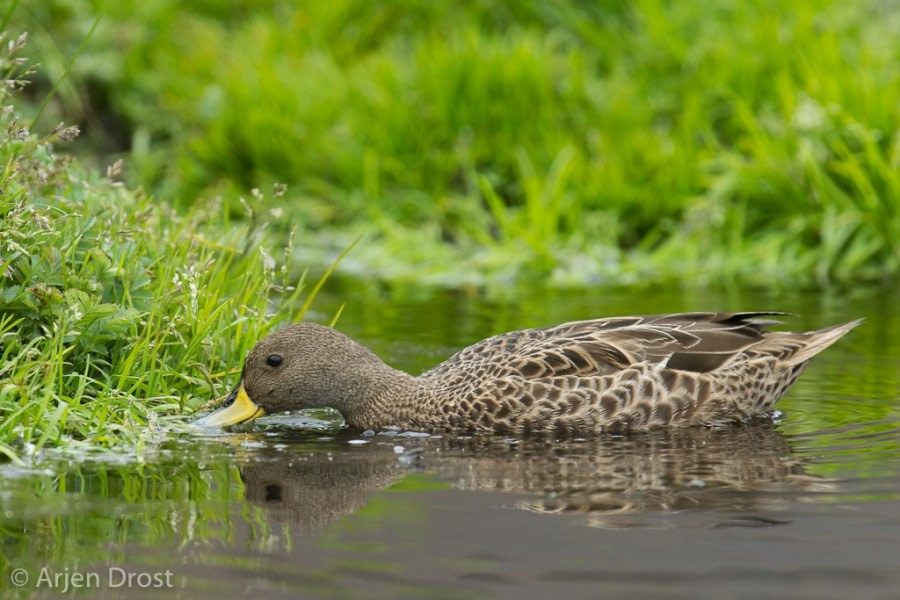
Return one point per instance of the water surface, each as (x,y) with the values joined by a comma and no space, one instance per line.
(806,505)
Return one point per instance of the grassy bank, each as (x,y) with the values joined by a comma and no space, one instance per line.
(116,311)
(470,144)
(564,141)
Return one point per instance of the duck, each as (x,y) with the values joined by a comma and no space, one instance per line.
(611,374)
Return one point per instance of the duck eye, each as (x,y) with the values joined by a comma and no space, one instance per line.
(274,360)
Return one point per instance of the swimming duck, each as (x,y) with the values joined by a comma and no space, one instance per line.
(613,374)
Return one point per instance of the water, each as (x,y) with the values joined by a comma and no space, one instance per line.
(807,506)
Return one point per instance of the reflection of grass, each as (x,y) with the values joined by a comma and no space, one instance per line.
(391,505)
(398,506)
(843,412)
(419,482)
(848,444)
(626,142)
(94,515)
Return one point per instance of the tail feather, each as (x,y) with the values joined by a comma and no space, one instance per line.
(816,341)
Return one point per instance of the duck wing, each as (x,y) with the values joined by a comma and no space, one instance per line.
(699,342)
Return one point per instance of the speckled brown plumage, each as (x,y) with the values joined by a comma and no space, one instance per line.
(618,373)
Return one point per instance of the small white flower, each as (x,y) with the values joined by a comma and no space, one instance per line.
(268,261)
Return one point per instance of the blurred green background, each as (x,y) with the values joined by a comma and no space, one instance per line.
(490,142)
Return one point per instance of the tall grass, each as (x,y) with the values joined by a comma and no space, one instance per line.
(116,311)
(582,142)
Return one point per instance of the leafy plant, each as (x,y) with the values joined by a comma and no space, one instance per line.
(115,310)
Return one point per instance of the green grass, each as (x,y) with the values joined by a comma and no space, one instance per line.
(484,144)
(116,311)
(565,141)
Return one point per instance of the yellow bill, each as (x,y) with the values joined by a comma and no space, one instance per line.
(238,408)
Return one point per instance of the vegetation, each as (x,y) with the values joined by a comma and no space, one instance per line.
(503,141)
(115,310)
(469,143)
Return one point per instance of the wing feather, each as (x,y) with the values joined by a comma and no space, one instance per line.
(698,342)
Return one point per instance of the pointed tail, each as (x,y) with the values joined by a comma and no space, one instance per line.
(816,341)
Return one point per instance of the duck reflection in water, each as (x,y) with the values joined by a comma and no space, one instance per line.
(740,470)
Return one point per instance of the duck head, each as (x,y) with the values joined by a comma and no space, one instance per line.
(303,366)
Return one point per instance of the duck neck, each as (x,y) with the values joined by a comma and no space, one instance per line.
(386,398)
